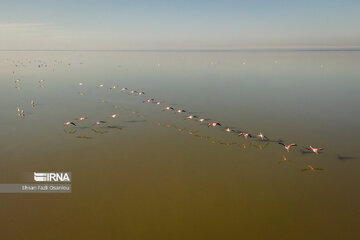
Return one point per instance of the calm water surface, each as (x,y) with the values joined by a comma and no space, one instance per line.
(150,174)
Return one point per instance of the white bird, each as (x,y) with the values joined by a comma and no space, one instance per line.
(228,130)
(148,100)
(114,115)
(201,120)
(21,112)
(99,122)
(82,118)
(191,117)
(113,87)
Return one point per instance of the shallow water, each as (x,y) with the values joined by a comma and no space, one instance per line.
(150,174)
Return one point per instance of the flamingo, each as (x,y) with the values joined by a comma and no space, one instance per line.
(191,117)
(148,100)
(315,150)
(201,120)
(99,122)
(228,130)
(168,108)
(113,87)
(214,124)
(69,123)
(180,111)
(114,115)
(260,135)
(287,147)
(81,118)
(246,135)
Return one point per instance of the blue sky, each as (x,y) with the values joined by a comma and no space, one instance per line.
(197,24)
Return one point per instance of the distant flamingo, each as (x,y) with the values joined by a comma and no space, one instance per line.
(214,124)
(81,118)
(168,108)
(180,111)
(114,115)
(201,120)
(229,130)
(148,100)
(246,135)
(99,122)
(191,117)
(69,123)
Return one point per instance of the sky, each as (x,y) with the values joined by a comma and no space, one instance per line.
(185,24)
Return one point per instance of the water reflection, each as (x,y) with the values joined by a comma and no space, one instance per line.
(84,137)
(99,131)
(311,168)
(282,94)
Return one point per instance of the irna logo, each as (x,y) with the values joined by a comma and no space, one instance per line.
(52,177)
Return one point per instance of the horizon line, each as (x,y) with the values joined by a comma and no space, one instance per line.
(189,50)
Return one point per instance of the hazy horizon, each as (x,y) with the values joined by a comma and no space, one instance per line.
(299,49)
(185,25)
